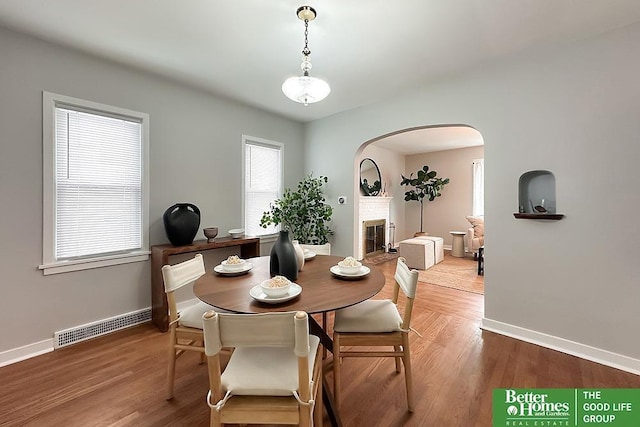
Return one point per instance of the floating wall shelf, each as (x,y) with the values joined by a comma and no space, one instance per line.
(554,217)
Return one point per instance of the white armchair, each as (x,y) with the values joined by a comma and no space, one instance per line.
(475,235)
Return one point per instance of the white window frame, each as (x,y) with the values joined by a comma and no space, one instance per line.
(252,140)
(477,188)
(49,263)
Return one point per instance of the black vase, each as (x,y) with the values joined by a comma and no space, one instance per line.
(181,223)
(283,261)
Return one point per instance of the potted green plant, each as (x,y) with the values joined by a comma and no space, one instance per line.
(427,185)
(303,213)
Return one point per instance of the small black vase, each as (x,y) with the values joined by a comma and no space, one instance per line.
(181,223)
(283,261)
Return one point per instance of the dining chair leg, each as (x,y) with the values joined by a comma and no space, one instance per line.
(398,359)
(171,370)
(336,370)
(408,379)
(324,328)
(317,411)
(214,420)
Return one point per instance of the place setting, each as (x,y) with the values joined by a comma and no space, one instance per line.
(350,269)
(308,254)
(233,266)
(275,290)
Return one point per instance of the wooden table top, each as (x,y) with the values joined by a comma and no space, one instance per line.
(321,290)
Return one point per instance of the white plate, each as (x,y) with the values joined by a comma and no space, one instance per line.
(220,270)
(256,293)
(364,270)
(309,255)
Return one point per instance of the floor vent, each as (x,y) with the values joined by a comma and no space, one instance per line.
(102,327)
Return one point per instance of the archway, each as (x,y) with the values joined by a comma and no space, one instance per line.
(406,144)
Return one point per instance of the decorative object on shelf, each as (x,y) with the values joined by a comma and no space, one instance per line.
(426,184)
(210,233)
(236,233)
(306,89)
(283,261)
(181,223)
(304,212)
(299,254)
(370,173)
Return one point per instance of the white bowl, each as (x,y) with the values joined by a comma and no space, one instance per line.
(346,269)
(236,233)
(233,267)
(274,292)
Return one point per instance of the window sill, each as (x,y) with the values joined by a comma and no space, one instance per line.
(87,264)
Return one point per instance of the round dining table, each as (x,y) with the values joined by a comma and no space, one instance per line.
(322,292)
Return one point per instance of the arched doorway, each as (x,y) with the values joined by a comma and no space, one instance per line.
(397,153)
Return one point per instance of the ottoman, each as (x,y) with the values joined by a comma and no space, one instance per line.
(419,252)
(438,248)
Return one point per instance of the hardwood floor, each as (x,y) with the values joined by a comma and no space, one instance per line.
(119,380)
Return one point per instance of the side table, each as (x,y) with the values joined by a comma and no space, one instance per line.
(457,244)
(249,248)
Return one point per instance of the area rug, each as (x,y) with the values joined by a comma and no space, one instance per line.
(379,259)
(456,273)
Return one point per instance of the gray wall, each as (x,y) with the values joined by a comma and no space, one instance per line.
(573,111)
(195,156)
(447,212)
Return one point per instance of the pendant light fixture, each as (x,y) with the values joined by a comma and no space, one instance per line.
(306,89)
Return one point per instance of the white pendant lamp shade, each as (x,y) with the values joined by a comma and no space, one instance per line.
(305,89)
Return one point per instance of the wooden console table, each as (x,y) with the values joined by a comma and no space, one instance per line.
(249,248)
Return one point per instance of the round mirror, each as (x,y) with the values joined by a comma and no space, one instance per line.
(370,180)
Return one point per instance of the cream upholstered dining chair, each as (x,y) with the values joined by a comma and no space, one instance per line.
(376,323)
(274,375)
(185,327)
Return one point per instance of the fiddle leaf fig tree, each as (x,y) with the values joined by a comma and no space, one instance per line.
(425,185)
(303,213)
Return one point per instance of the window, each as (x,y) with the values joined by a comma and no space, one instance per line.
(95,207)
(478,187)
(262,182)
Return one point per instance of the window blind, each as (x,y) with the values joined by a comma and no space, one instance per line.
(98,180)
(263,181)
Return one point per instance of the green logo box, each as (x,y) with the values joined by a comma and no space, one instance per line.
(566,407)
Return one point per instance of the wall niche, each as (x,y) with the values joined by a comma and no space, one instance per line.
(537,196)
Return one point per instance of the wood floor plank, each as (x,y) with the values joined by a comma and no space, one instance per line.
(119,380)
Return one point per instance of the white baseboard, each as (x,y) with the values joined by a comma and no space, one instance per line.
(74,335)
(25,352)
(604,357)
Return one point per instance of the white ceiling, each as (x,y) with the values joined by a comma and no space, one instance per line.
(367,51)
